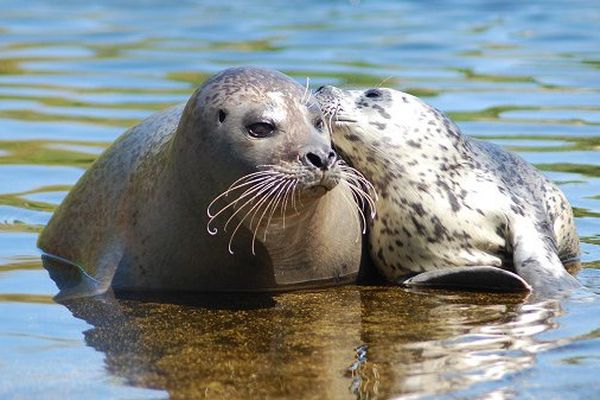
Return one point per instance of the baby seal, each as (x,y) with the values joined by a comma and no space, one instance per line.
(457,212)
(239,190)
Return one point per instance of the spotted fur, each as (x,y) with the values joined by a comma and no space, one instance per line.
(445,200)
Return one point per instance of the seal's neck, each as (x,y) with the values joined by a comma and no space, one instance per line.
(301,251)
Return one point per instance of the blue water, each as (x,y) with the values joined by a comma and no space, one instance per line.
(74,75)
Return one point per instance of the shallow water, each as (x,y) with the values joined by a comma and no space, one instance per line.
(73,76)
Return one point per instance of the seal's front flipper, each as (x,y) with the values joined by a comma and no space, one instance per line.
(470,278)
(536,260)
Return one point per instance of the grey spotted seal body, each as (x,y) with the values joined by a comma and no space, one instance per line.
(238,190)
(455,211)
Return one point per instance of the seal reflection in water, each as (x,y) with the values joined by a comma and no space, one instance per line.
(239,190)
(235,346)
(457,212)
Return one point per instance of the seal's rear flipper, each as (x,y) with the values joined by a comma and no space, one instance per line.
(470,278)
(536,260)
(74,281)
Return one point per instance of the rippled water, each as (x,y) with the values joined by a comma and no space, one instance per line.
(74,75)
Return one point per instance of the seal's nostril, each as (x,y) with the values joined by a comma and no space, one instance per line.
(323,160)
(314,160)
(320,87)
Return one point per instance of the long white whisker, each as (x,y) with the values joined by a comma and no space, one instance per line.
(273,206)
(268,166)
(294,205)
(286,198)
(332,116)
(234,188)
(384,81)
(351,183)
(268,196)
(263,189)
(244,218)
(353,206)
(251,175)
(305,95)
(250,191)
(361,193)
(356,181)
(361,178)
(362,218)
(299,201)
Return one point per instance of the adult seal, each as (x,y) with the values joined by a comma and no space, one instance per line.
(457,212)
(239,190)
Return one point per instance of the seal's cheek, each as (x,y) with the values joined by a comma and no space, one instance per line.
(255,154)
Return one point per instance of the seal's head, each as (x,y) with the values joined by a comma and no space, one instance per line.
(258,140)
(251,120)
(379,125)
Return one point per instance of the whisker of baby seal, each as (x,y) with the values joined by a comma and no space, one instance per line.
(306,94)
(332,116)
(384,81)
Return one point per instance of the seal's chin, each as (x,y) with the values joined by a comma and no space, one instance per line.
(322,184)
(318,190)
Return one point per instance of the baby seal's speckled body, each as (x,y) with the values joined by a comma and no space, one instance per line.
(447,201)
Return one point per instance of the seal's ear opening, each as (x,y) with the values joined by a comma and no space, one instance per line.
(222,115)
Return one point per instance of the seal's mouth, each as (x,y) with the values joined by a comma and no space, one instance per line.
(323,183)
(344,120)
(341,115)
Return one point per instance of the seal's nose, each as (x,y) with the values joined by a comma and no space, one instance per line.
(318,158)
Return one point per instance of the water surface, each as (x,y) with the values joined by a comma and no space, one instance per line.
(73,76)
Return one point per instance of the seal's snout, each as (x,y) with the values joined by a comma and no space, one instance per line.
(329,95)
(318,158)
(328,90)
(331,100)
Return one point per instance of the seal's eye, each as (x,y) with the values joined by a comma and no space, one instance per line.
(222,115)
(373,93)
(260,129)
(319,124)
